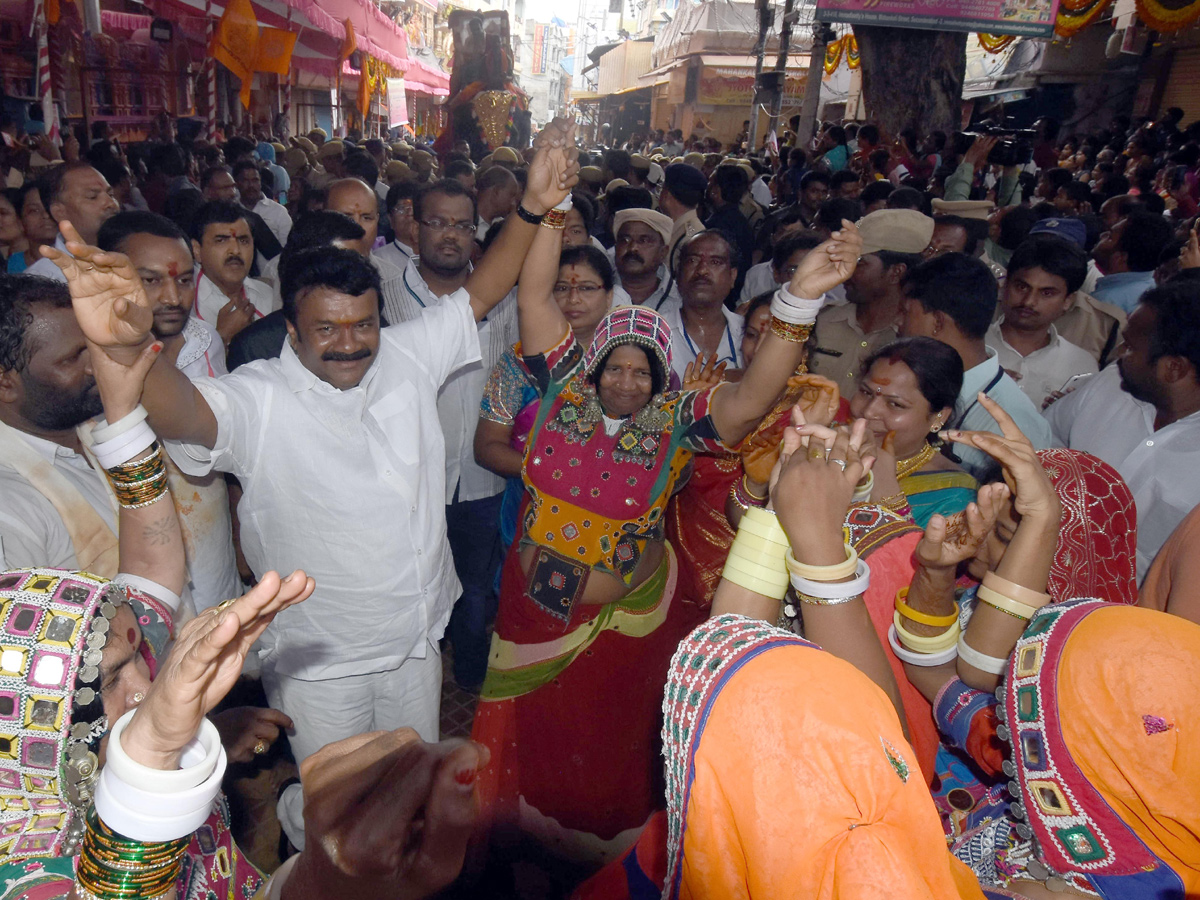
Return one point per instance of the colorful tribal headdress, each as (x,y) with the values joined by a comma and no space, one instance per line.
(630,325)
(53,628)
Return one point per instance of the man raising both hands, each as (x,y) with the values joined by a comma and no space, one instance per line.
(338,446)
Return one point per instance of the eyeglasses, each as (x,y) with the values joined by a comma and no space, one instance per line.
(439,225)
(695,259)
(585,291)
(642,240)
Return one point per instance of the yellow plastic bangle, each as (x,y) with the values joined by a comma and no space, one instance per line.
(764,524)
(824,573)
(1005,588)
(757,570)
(921,644)
(775,589)
(1004,604)
(764,554)
(924,618)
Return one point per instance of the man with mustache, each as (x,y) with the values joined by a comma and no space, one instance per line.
(75,192)
(640,254)
(339,448)
(225,297)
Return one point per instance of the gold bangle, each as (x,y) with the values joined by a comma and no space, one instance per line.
(835,572)
(795,334)
(1006,588)
(895,502)
(918,643)
(923,618)
(746,488)
(1006,605)
(555,219)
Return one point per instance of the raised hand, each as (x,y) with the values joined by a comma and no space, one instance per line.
(203,665)
(701,373)
(385,815)
(951,541)
(233,317)
(107,293)
(247,731)
(979,151)
(555,167)
(828,265)
(1033,494)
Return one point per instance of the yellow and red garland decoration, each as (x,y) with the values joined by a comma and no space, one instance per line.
(846,45)
(1168,15)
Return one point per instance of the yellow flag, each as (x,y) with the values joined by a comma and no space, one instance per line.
(235,43)
(275,51)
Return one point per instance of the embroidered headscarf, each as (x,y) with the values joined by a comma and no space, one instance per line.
(630,325)
(1098,535)
(831,798)
(53,628)
(1102,705)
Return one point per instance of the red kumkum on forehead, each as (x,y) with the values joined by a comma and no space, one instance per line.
(173,270)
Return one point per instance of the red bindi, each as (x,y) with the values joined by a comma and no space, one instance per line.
(173,270)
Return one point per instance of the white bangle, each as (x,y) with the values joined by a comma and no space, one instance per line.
(566,203)
(993,665)
(794,313)
(154,805)
(862,492)
(919,659)
(124,447)
(106,432)
(836,590)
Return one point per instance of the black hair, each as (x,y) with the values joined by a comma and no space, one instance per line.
(1143,238)
(118,229)
(215,212)
(456,167)
(973,234)
(838,133)
(18,294)
(321,228)
(586,207)
(658,376)
(594,259)
(1057,178)
(937,366)
(50,184)
(628,197)
(868,132)
(735,260)
(1151,201)
(1077,191)
(832,211)
(113,170)
(242,165)
(757,302)
(618,163)
(402,190)
(237,146)
(1054,254)
(845,176)
(732,182)
(959,286)
(169,159)
(211,173)
(360,165)
(446,187)
(493,176)
(810,177)
(1015,226)
(344,271)
(876,191)
(798,240)
(1177,320)
(891,258)
(907,198)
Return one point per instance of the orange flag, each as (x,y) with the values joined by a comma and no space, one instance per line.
(235,43)
(274,51)
(365,86)
(349,43)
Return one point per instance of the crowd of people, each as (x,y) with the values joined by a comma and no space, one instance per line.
(814,524)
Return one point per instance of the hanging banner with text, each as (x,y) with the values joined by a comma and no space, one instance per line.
(539,50)
(397,102)
(1030,18)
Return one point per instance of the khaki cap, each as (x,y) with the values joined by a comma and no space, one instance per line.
(294,160)
(591,174)
(694,159)
(305,144)
(968,209)
(896,230)
(616,183)
(396,171)
(639,162)
(331,148)
(506,155)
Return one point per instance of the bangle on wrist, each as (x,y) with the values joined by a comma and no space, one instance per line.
(862,491)
(555,219)
(818,593)
(919,643)
(764,524)
(924,660)
(105,431)
(923,618)
(1029,597)
(993,665)
(526,216)
(835,572)
(1003,604)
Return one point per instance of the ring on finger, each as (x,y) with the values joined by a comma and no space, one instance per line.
(840,462)
(225,604)
(260,748)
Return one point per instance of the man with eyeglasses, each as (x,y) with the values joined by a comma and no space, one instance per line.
(640,254)
(445,217)
(399,202)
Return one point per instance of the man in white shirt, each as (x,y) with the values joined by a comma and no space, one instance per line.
(340,452)
(1043,275)
(162,256)
(639,256)
(701,324)
(1142,415)
(399,209)
(223,247)
(77,193)
(443,212)
(770,274)
(952,298)
(249,184)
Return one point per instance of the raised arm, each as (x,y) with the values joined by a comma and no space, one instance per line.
(549,180)
(115,317)
(738,408)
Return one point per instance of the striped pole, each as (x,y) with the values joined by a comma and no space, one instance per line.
(45,90)
(210,76)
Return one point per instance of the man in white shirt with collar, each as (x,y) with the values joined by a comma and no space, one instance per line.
(952,298)
(444,212)
(339,449)
(701,325)
(249,184)
(162,256)
(639,256)
(399,208)
(74,192)
(1043,275)
(226,298)
(1142,414)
